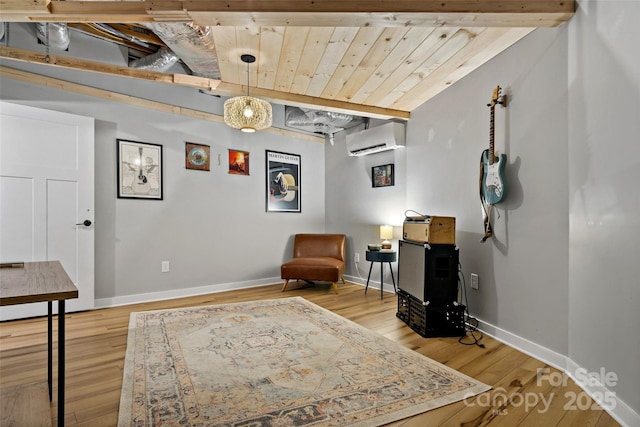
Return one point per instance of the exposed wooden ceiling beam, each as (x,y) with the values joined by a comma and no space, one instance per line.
(333,13)
(91,66)
(37,79)
(216,87)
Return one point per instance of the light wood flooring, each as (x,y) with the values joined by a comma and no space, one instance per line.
(96,343)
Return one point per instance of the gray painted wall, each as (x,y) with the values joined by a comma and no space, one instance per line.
(523,272)
(437,174)
(561,273)
(604,199)
(211,226)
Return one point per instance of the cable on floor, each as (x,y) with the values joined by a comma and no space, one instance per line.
(471,323)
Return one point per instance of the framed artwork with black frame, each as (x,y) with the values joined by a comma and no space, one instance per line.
(139,170)
(282,182)
(382,176)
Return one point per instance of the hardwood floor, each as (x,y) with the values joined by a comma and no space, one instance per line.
(96,343)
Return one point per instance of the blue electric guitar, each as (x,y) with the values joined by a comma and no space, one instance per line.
(492,186)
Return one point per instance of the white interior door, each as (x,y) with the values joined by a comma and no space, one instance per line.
(46,189)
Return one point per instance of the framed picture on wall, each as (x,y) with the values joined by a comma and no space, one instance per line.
(382,176)
(139,170)
(197,156)
(283,182)
(238,162)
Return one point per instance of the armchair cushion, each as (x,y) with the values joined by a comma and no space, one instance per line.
(316,257)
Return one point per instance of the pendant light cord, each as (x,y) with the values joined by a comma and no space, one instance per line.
(247,79)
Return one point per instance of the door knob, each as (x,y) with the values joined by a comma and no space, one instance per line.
(86,223)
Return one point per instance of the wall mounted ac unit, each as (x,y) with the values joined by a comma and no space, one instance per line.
(388,136)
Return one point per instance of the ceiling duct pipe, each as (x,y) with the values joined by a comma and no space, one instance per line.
(325,123)
(192,43)
(160,61)
(58,37)
(303,117)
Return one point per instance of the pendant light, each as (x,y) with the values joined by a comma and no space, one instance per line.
(247,113)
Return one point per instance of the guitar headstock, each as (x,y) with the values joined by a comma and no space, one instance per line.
(497,98)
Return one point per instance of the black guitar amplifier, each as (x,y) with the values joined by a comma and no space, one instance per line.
(429,272)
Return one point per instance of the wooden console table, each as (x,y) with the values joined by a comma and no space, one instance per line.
(40,282)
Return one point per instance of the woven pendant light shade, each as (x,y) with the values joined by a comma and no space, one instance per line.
(247,113)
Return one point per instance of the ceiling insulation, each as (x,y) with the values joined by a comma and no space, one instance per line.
(53,34)
(162,60)
(319,122)
(193,44)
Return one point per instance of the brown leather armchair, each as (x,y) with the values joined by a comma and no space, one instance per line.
(319,257)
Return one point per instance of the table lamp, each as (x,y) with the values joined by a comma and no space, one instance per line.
(386,233)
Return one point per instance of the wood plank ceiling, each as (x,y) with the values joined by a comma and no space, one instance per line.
(374,58)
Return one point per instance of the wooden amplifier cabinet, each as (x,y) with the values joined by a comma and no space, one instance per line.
(431,229)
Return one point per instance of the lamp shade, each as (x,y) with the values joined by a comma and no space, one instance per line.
(386,232)
(247,113)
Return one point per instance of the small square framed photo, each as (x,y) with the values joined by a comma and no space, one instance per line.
(238,162)
(197,156)
(139,170)
(382,176)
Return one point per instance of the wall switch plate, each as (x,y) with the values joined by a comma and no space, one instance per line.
(474,281)
(165,266)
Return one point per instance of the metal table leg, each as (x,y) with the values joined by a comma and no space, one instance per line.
(61,357)
(368,277)
(395,289)
(50,348)
(381,279)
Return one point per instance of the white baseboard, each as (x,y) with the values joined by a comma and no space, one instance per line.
(209,289)
(557,360)
(355,279)
(181,293)
(607,399)
(373,284)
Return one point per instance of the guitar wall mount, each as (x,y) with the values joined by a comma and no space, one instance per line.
(501,101)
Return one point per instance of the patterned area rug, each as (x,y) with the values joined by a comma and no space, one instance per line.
(281,362)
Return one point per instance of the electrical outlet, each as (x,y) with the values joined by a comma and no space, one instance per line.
(165,266)
(356,257)
(474,281)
